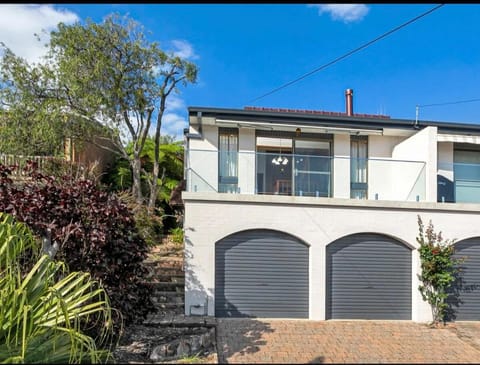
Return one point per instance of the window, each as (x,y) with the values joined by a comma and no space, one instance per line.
(227,160)
(467,174)
(289,164)
(358,167)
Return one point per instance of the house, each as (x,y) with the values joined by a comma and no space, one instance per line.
(91,155)
(311,214)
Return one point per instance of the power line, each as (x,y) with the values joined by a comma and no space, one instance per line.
(449,103)
(417,107)
(347,54)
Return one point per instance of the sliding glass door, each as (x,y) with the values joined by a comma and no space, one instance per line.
(290,165)
(274,165)
(312,168)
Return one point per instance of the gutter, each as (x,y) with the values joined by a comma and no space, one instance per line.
(198,135)
(348,122)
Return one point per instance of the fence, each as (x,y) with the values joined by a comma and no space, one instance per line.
(46,164)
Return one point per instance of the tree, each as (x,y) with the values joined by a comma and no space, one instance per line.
(170,163)
(101,80)
(26,114)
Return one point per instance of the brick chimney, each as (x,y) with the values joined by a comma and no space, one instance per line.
(349,102)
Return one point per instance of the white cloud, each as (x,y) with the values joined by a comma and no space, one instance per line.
(174,124)
(344,12)
(174,121)
(174,102)
(183,49)
(19,23)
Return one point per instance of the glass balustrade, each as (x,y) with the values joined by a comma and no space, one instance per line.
(285,173)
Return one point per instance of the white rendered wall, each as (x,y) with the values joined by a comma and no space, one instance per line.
(341,166)
(207,221)
(381,170)
(382,146)
(246,160)
(203,159)
(422,146)
(445,160)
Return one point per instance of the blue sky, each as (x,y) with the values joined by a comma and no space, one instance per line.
(244,51)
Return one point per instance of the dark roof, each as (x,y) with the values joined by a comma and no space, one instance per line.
(315,118)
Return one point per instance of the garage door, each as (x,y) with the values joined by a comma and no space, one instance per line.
(465,300)
(261,273)
(369,276)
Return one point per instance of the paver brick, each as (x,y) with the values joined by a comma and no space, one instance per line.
(290,341)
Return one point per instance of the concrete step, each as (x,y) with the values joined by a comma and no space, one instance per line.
(180,279)
(168,293)
(163,258)
(179,320)
(165,269)
(163,261)
(167,299)
(177,307)
(162,276)
(161,272)
(166,286)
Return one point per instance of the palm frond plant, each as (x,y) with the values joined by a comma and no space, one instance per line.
(42,311)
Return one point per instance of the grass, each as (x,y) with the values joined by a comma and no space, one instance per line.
(193,359)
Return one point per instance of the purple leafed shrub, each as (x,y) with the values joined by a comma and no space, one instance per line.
(94,230)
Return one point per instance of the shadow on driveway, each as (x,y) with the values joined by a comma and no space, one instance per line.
(240,337)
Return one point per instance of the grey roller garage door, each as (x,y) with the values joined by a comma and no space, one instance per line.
(261,273)
(369,276)
(465,299)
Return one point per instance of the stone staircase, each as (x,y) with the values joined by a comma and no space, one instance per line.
(167,278)
(167,334)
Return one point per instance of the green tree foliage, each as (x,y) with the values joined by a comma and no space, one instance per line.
(119,179)
(28,113)
(439,269)
(105,80)
(41,311)
(170,162)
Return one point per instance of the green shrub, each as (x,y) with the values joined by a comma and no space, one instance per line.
(94,231)
(41,312)
(149,226)
(177,234)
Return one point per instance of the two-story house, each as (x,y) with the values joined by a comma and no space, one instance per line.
(310,214)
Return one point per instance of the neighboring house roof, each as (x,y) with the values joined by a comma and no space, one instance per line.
(315,112)
(333,119)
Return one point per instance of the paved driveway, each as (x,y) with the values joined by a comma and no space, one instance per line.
(303,341)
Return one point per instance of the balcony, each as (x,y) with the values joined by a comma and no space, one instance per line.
(263,173)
